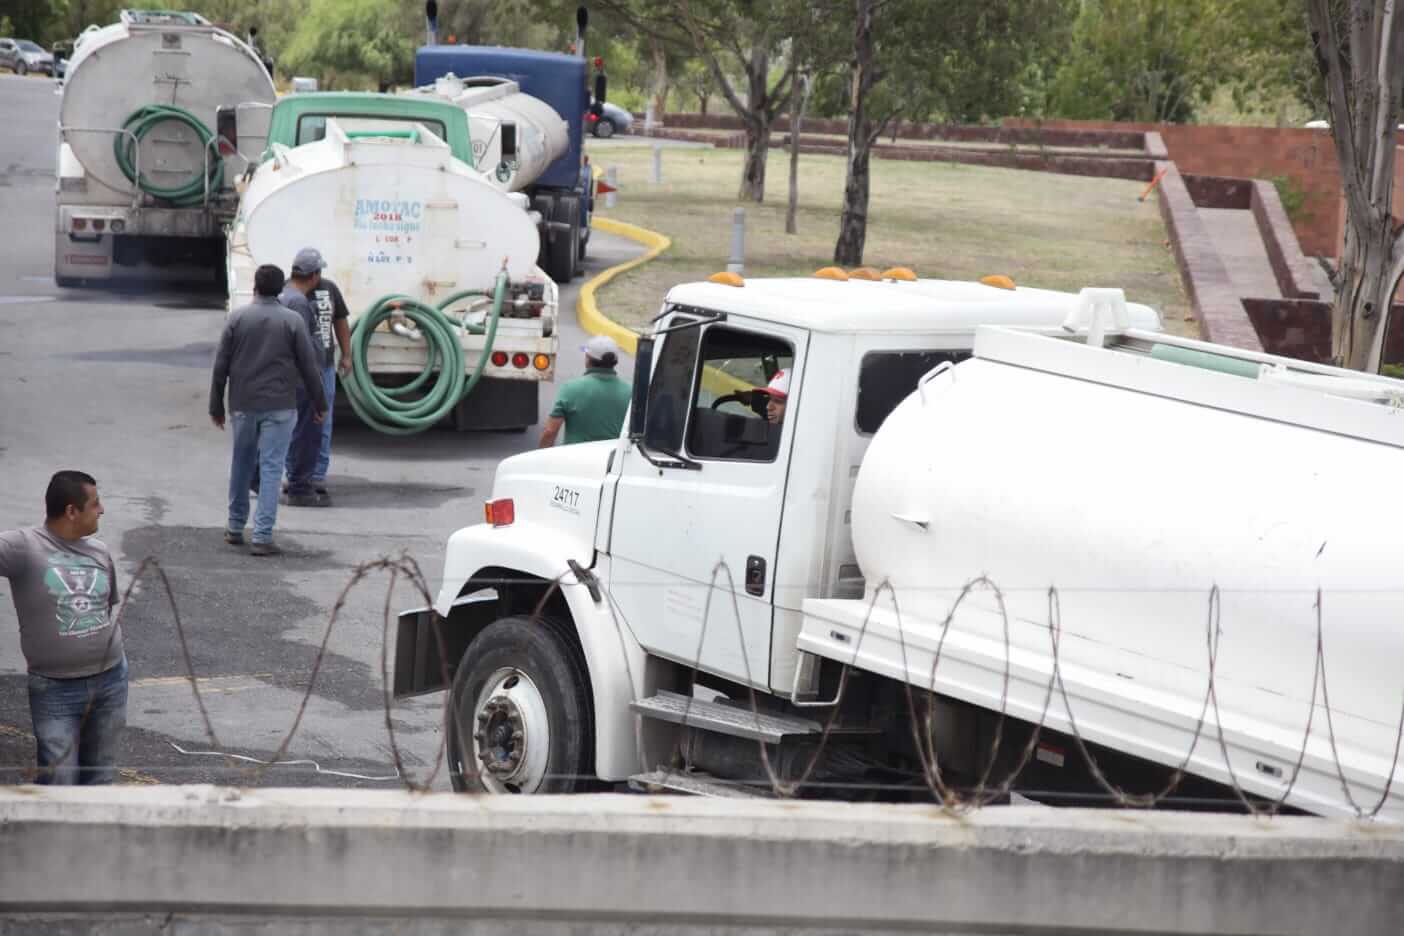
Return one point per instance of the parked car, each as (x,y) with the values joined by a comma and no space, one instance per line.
(613,119)
(22,57)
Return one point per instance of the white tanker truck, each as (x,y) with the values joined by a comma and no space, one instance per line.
(624,600)
(143,189)
(386,188)
(534,136)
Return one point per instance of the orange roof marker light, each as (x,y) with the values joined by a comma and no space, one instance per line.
(727,279)
(998,281)
(865,273)
(901,274)
(831,273)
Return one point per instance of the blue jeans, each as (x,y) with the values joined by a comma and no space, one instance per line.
(302,453)
(260,447)
(77,723)
(323,462)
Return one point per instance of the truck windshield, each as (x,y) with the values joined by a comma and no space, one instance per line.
(313,127)
(888,377)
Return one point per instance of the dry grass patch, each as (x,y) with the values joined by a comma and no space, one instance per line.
(944,220)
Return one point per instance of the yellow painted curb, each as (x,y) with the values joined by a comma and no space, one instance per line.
(587,310)
(597,323)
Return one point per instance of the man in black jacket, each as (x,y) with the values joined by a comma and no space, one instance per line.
(265,352)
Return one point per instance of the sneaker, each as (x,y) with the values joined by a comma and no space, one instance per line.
(233,539)
(301,500)
(265,549)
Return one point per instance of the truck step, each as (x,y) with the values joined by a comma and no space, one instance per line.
(733,720)
(693,784)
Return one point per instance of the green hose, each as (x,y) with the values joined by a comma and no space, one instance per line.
(138,125)
(406,410)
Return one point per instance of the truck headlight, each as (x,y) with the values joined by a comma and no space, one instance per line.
(504,171)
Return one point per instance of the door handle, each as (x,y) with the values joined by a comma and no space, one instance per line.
(755,575)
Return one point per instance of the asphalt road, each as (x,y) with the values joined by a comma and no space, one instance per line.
(116,385)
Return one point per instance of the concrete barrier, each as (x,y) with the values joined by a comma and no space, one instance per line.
(318,860)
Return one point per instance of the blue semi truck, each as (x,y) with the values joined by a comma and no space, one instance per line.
(564,194)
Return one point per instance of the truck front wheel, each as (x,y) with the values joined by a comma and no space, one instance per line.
(518,714)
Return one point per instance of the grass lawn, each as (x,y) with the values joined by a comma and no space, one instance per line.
(943,220)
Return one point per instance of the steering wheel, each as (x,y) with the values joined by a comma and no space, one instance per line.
(742,396)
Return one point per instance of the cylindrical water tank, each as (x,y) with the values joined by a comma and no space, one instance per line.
(126,66)
(1134,506)
(542,134)
(390,215)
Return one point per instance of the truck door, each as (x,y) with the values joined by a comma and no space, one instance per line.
(707,485)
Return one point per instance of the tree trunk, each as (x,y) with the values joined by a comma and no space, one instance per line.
(799,102)
(757,126)
(1361,312)
(1360,53)
(660,80)
(853,224)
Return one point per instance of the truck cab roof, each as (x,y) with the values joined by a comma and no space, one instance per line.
(923,306)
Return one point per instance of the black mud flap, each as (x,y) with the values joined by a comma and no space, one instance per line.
(419,665)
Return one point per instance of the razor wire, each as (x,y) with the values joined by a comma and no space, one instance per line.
(921,723)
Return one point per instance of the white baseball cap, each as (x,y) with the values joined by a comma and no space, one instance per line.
(600,346)
(779,385)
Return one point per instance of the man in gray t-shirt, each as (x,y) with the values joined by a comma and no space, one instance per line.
(64,586)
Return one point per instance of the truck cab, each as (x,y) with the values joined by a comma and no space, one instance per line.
(302,118)
(614,580)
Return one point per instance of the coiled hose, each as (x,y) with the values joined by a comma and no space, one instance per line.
(411,408)
(138,125)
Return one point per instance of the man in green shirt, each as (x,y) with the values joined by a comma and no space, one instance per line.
(591,407)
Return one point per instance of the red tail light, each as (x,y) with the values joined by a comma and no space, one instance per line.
(99,224)
(592,117)
(80,224)
(520,359)
(499,358)
(500,513)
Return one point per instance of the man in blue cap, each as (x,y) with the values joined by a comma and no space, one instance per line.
(329,319)
(319,303)
(592,407)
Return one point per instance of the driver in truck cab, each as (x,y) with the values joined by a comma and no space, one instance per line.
(777,394)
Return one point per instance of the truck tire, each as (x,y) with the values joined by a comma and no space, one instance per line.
(561,251)
(518,716)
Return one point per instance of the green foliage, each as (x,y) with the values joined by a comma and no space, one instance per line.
(346,44)
(1293,197)
(1143,60)
(967,62)
(35,19)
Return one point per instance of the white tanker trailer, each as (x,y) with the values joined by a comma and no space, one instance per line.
(415,237)
(1151,503)
(143,189)
(496,106)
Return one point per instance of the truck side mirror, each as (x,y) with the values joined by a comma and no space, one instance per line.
(638,407)
(227,128)
(508,130)
(599,88)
